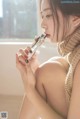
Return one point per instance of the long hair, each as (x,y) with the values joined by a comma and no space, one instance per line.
(66,6)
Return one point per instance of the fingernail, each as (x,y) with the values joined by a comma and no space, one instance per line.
(26,61)
(30,51)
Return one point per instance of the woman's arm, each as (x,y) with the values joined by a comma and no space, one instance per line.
(31,93)
(74,109)
(27,110)
(45,111)
(39,109)
(39,103)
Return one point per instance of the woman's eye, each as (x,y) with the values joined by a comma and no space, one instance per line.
(48,16)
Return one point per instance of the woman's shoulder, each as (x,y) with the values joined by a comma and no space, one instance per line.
(56,61)
(55,65)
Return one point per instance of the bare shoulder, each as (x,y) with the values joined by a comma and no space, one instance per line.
(62,61)
(54,66)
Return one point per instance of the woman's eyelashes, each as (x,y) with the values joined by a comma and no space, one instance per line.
(47,16)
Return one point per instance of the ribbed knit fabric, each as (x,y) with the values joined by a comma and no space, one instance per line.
(70,47)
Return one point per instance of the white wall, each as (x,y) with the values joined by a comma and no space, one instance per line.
(10,80)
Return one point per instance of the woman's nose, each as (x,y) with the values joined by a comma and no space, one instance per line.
(43,24)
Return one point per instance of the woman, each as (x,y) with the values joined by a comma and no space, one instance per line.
(52,90)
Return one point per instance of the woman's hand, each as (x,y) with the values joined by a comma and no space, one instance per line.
(27,70)
(34,63)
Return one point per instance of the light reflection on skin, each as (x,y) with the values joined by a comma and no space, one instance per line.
(39,118)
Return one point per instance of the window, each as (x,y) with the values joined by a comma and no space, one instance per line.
(18,20)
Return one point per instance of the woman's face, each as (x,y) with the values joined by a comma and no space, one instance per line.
(50,24)
(47,22)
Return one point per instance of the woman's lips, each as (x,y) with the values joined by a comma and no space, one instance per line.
(48,35)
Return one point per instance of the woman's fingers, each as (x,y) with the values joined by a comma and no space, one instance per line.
(22,65)
(27,50)
(19,65)
(21,59)
(23,53)
(25,70)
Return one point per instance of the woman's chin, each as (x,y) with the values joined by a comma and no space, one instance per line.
(51,39)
